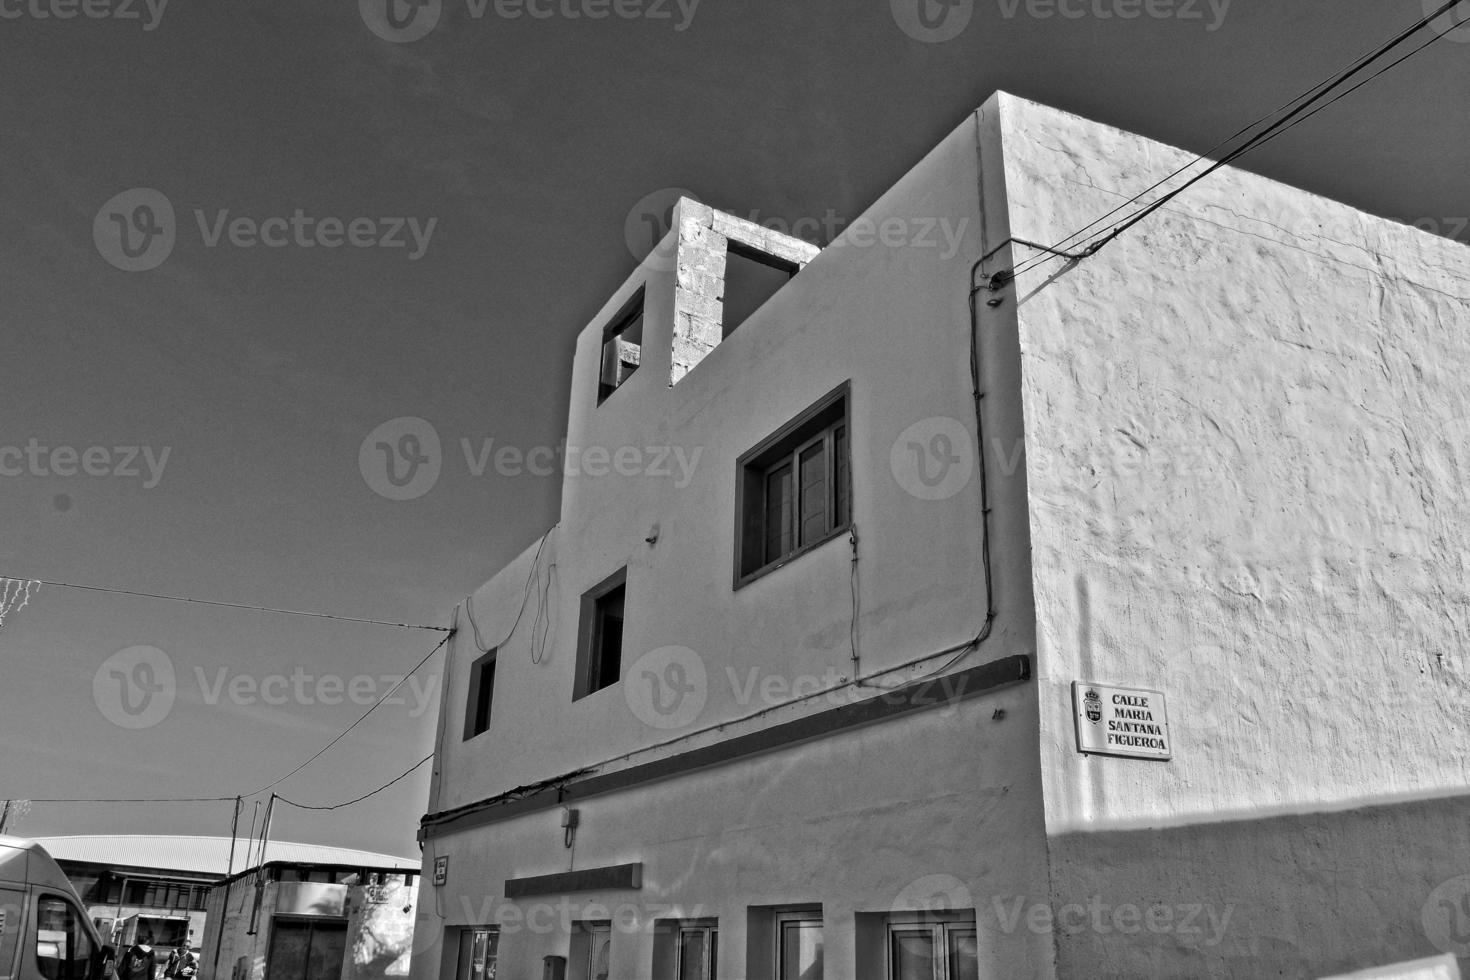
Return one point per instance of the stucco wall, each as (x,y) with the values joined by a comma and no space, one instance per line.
(891,319)
(1246,453)
(850,821)
(379,920)
(915,814)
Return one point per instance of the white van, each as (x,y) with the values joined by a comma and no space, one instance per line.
(44,930)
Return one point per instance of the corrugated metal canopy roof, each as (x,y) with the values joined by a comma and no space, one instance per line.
(206,855)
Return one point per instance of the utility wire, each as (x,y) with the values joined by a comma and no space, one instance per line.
(338,806)
(1364,57)
(1271,132)
(230,605)
(322,751)
(161,799)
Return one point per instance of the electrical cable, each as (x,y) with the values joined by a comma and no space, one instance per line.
(1283,124)
(158,799)
(338,806)
(320,752)
(1365,56)
(525,597)
(230,605)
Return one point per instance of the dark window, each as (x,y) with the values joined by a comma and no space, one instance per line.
(309,949)
(63,951)
(600,647)
(795,488)
(622,348)
(751,278)
(482,692)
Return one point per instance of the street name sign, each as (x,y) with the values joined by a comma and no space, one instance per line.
(1123,721)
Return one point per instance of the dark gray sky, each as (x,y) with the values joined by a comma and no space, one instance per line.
(529,142)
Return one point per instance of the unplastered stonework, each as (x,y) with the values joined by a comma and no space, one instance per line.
(704,236)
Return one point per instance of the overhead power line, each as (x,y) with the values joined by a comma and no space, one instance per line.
(228,605)
(371,708)
(142,799)
(338,806)
(1304,109)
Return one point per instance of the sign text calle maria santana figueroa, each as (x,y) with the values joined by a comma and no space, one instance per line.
(1122,721)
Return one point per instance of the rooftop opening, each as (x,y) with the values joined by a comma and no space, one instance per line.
(622,347)
(751,278)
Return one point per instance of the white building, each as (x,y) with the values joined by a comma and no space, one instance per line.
(788,691)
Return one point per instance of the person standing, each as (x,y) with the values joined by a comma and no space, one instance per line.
(139,962)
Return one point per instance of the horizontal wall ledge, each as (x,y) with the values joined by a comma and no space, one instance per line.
(914,696)
(586,880)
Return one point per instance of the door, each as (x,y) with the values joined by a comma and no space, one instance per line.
(12,924)
(599,950)
(306,949)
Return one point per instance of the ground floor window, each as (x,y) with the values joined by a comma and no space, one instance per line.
(799,946)
(306,949)
(479,948)
(697,952)
(591,951)
(920,950)
(685,949)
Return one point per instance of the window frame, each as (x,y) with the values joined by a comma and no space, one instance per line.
(798,918)
(465,967)
(480,701)
(942,933)
(710,930)
(77,938)
(589,679)
(786,445)
(633,309)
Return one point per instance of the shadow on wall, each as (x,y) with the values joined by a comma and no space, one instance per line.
(1299,895)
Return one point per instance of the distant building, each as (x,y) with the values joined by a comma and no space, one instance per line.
(346,916)
(141,886)
(788,692)
(138,886)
